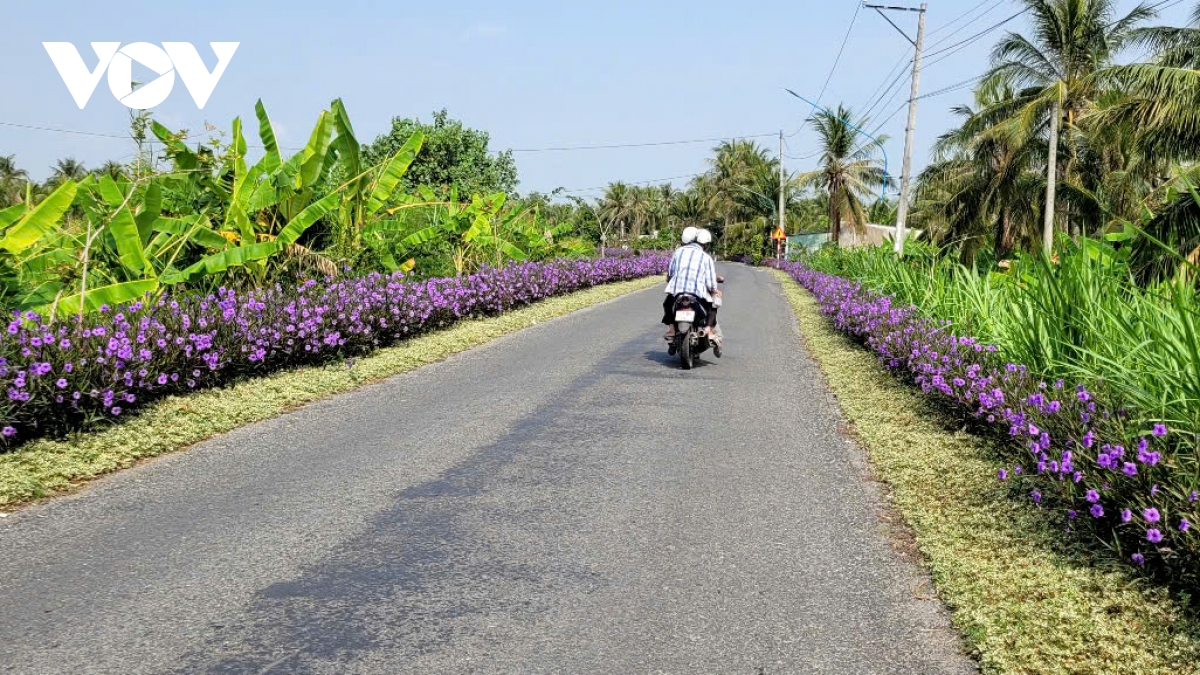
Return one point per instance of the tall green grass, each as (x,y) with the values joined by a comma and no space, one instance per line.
(1083,319)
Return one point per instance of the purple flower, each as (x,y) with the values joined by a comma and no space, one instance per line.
(1151,515)
(1129,469)
(1138,559)
(1184,525)
(1097,511)
(1093,496)
(8,431)
(1126,515)
(1037,496)
(1159,430)
(1003,474)
(1153,536)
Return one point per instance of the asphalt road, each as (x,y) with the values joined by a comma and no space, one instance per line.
(562,501)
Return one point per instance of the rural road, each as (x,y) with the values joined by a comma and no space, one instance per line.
(562,501)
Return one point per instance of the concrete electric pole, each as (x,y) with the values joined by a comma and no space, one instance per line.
(910,129)
(782,187)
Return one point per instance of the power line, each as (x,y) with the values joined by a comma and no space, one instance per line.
(565,148)
(123,137)
(963,43)
(895,92)
(802,158)
(127,137)
(869,103)
(637,183)
(838,58)
(889,118)
(953,87)
(955,20)
(887,94)
(35,127)
(946,38)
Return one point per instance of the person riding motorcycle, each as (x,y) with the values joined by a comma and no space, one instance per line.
(691,272)
(704,238)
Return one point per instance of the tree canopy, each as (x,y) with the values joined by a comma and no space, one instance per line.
(453,154)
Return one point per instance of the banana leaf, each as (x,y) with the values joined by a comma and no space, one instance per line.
(481,226)
(112,295)
(40,220)
(422,236)
(150,211)
(220,262)
(10,215)
(124,231)
(346,143)
(180,153)
(264,196)
(109,192)
(304,168)
(303,220)
(266,134)
(38,292)
(396,167)
(197,231)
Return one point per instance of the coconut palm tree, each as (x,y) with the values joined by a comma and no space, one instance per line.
(112,169)
(982,181)
(849,173)
(1159,109)
(67,169)
(12,181)
(688,208)
(617,205)
(1055,72)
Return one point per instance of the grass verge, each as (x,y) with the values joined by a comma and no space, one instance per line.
(44,468)
(1025,602)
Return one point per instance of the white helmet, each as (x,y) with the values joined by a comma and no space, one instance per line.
(689,234)
(704,237)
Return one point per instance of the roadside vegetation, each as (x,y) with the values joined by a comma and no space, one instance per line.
(204,263)
(1059,314)
(48,466)
(1027,599)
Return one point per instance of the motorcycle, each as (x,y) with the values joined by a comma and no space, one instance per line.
(691,338)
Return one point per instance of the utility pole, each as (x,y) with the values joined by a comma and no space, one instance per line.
(782,185)
(910,129)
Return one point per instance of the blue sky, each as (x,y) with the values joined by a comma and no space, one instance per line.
(534,75)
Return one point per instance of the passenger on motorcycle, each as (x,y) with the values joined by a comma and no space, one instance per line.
(704,238)
(691,272)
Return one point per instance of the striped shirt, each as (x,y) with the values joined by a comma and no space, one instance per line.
(691,271)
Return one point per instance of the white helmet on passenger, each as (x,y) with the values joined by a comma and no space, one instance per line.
(689,234)
(704,237)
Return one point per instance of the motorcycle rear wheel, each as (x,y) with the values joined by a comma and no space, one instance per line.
(685,346)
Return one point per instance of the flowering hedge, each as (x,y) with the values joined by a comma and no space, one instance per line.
(61,375)
(1083,461)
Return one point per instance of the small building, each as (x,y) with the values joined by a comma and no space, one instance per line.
(874,235)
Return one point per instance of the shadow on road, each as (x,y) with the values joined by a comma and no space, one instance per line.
(661,357)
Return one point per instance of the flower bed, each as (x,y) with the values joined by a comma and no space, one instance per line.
(62,375)
(1083,461)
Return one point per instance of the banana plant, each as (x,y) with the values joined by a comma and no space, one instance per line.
(472,229)
(366,190)
(206,217)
